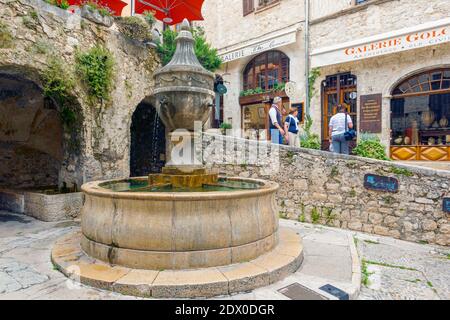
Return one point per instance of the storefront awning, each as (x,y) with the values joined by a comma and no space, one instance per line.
(282,38)
(427,34)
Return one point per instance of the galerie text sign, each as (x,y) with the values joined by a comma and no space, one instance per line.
(446,205)
(424,35)
(380,183)
(370,120)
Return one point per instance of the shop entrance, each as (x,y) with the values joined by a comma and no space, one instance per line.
(338,89)
(420,116)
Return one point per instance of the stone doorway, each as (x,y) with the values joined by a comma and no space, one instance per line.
(148,141)
(31,135)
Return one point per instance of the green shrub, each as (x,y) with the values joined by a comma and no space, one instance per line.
(315,215)
(226,126)
(63,4)
(96,68)
(57,82)
(369,146)
(308,139)
(134,28)
(150,17)
(207,56)
(6,38)
(103,10)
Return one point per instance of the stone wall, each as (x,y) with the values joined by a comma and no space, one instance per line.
(24,167)
(39,32)
(326,188)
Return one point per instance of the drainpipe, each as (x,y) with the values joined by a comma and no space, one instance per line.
(132,7)
(307,106)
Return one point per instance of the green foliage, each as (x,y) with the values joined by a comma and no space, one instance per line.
(328,215)
(383,264)
(58,83)
(41,47)
(365,274)
(258,90)
(103,10)
(308,139)
(225,126)
(96,68)
(315,215)
(369,146)
(63,4)
(31,20)
(135,28)
(400,171)
(313,75)
(150,17)
(334,172)
(302,218)
(206,55)
(6,38)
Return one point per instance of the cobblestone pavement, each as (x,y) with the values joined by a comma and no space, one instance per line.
(400,270)
(397,269)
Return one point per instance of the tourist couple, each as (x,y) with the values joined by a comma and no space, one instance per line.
(290,131)
(340,123)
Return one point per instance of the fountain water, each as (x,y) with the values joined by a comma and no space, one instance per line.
(187,220)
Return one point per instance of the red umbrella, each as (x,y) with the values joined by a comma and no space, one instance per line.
(115,6)
(172,11)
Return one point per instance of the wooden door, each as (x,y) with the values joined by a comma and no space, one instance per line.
(338,89)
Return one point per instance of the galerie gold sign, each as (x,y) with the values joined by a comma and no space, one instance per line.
(370,120)
(428,34)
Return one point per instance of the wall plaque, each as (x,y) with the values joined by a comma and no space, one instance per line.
(380,183)
(370,120)
(446,205)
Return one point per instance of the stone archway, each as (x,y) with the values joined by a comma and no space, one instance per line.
(148,142)
(34,140)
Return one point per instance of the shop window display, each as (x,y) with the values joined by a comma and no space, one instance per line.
(420,117)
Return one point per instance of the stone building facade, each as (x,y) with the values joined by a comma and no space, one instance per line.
(356,44)
(36,148)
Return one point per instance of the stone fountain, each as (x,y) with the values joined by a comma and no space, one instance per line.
(186,232)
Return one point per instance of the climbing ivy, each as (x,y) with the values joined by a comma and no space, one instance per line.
(313,75)
(95,68)
(206,55)
(58,85)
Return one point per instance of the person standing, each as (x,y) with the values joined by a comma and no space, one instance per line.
(291,127)
(275,119)
(339,123)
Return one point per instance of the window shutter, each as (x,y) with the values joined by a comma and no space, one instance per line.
(248,6)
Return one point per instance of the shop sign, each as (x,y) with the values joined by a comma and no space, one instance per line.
(370,120)
(380,183)
(418,37)
(446,205)
(260,47)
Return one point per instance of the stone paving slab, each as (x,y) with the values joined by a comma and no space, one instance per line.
(29,242)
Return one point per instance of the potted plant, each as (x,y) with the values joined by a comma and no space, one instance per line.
(224,127)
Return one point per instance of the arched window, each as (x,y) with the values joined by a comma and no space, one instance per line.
(266,70)
(428,82)
(420,116)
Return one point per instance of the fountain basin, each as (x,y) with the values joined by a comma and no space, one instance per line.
(179,230)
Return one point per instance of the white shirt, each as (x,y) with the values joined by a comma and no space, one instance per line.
(337,122)
(273,114)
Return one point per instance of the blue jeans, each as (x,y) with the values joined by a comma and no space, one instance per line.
(276,137)
(340,145)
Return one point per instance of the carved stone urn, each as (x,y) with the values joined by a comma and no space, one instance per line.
(183,88)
